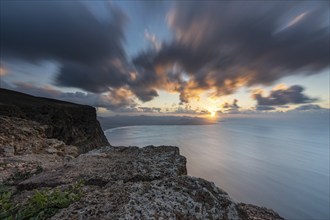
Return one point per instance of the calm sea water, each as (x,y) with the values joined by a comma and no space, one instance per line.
(277,161)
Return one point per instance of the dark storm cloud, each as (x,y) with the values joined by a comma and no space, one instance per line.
(92,78)
(292,95)
(60,30)
(144,93)
(88,47)
(223,45)
(217,45)
(86,42)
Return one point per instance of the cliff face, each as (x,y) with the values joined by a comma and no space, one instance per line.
(43,175)
(68,122)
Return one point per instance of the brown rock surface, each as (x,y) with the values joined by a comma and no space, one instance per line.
(24,148)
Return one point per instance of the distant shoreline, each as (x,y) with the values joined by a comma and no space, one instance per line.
(142,120)
(128,126)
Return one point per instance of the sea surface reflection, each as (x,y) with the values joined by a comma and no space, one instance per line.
(281,161)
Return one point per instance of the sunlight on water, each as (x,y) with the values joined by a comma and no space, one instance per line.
(281,162)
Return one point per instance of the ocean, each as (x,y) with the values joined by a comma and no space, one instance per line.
(280,161)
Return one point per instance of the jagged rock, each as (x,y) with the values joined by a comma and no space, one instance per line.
(68,122)
(22,137)
(109,164)
(252,212)
(141,183)
(181,197)
(24,146)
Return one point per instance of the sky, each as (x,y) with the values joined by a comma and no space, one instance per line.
(169,57)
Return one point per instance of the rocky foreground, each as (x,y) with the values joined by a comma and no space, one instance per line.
(45,177)
(137,183)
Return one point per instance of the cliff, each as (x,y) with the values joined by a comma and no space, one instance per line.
(44,176)
(68,122)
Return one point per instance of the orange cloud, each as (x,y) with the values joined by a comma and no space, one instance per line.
(281,86)
(3,71)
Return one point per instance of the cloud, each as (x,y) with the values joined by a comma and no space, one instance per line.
(234,105)
(308,107)
(230,108)
(150,109)
(282,96)
(264,108)
(60,30)
(187,110)
(217,46)
(3,71)
(115,100)
(144,93)
(86,42)
(152,39)
(283,106)
(88,48)
(224,45)
(91,78)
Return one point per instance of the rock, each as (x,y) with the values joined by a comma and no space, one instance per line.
(252,212)
(69,151)
(180,197)
(28,149)
(110,164)
(7,151)
(29,137)
(40,140)
(141,183)
(55,143)
(51,150)
(68,122)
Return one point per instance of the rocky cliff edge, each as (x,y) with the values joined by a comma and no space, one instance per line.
(43,175)
(68,122)
(126,183)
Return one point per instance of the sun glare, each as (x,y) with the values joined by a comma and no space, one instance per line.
(212,114)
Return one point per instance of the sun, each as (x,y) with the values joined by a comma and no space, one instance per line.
(212,114)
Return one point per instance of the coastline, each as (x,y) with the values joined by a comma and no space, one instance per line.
(56,178)
(124,121)
(130,126)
